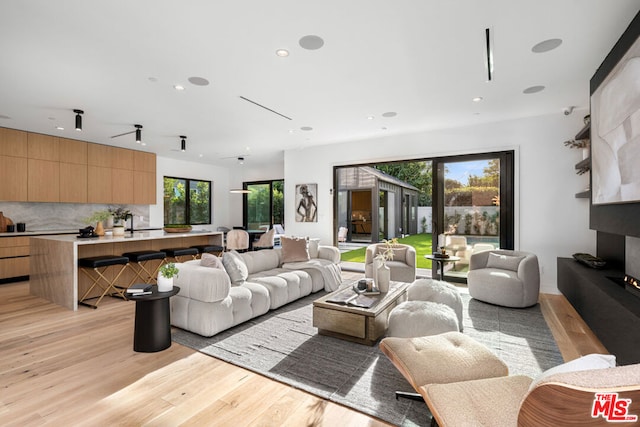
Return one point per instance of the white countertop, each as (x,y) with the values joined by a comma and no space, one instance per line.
(138,235)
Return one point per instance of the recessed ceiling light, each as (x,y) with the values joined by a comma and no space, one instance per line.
(198,81)
(200,155)
(389,114)
(477,99)
(291,130)
(533,89)
(306,128)
(153,79)
(311,42)
(546,45)
(370,117)
(2,116)
(383,128)
(178,87)
(282,53)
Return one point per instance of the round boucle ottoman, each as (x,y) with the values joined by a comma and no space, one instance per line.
(437,291)
(421,318)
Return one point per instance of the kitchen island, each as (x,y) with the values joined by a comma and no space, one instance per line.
(53,272)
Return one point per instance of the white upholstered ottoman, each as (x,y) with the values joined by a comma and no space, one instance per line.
(421,318)
(437,291)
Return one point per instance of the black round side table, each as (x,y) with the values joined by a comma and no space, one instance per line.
(152,331)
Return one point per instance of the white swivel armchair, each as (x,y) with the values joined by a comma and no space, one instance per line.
(503,277)
(403,265)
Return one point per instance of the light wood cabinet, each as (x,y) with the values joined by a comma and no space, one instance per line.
(13,178)
(122,186)
(14,257)
(121,158)
(144,188)
(73,183)
(44,168)
(43,147)
(99,155)
(73,151)
(13,143)
(99,185)
(144,162)
(43,183)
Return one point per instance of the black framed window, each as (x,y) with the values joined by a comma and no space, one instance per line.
(186,201)
(263,206)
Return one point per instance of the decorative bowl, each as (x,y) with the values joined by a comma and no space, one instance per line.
(177,229)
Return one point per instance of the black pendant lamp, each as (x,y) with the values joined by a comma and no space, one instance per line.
(183,143)
(138,133)
(78,119)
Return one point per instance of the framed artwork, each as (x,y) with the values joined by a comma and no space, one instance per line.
(615,132)
(306,207)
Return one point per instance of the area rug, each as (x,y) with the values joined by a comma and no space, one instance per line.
(284,345)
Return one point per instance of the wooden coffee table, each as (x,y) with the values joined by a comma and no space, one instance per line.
(357,324)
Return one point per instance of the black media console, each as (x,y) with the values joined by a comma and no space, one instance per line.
(611,312)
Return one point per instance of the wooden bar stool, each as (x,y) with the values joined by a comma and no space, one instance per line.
(176,253)
(138,261)
(95,268)
(212,249)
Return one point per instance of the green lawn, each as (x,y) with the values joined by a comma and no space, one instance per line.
(421,242)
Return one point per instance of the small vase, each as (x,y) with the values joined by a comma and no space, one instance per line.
(165,284)
(383,277)
(118,230)
(99,229)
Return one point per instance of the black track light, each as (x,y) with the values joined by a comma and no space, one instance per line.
(78,119)
(183,143)
(138,133)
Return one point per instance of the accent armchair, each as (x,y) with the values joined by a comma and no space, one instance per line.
(403,265)
(504,277)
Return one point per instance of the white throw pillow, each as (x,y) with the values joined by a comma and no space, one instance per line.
(313,248)
(504,262)
(584,363)
(235,267)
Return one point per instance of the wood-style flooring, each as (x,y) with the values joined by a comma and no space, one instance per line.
(65,368)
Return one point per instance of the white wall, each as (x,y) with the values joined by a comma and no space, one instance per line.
(550,221)
(218,176)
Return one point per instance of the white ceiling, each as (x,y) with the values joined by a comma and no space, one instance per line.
(118,61)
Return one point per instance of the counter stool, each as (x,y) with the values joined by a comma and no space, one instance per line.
(138,261)
(212,249)
(99,265)
(176,253)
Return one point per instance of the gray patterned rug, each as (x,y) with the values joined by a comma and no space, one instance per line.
(284,346)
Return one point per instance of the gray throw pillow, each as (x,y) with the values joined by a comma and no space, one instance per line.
(504,262)
(235,266)
(212,261)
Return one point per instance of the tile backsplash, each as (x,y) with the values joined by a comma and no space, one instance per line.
(64,216)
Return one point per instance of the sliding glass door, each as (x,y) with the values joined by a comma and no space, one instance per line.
(474,195)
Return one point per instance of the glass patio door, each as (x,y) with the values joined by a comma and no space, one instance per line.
(263,205)
(474,196)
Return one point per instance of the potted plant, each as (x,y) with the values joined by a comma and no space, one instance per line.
(99,217)
(120,215)
(166,276)
(381,271)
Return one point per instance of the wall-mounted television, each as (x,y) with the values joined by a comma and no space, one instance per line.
(615,138)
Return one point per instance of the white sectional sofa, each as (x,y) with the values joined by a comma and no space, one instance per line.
(214,299)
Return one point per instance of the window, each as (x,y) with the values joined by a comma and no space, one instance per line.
(180,209)
(264,205)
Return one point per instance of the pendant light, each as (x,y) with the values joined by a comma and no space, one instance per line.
(183,143)
(78,119)
(138,133)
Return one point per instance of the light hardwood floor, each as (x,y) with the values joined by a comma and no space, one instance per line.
(60,367)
